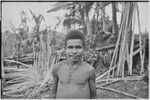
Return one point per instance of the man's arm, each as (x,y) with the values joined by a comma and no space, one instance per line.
(55,81)
(92,84)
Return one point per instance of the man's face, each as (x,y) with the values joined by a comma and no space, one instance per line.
(74,49)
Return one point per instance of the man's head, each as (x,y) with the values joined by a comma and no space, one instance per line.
(74,45)
(75,34)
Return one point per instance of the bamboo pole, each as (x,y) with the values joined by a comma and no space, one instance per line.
(104,48)
(114,19)
(50,55)
(131,27)
(123,63)
(47,50)
(34,53)
(115,51)
(41,55)
(108,83)
(127,58)
(130,64)
(140,43)
(128,26)
(14,69)
(2,62)
(48,77)
(149,51)
(131,34)
(143,57)
(18,63)
(127,78)
(137,51)
(103,13)
(41,64)
(120,92)
(113,61)
(123,38)
(99,77)
(131,53)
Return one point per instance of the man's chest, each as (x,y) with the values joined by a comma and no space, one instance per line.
(79,76)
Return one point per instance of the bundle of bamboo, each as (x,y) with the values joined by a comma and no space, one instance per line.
(28,82)
(123,54)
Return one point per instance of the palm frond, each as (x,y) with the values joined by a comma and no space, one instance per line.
(33,15)
(20,81)
(70,21)
(14,86)
(60,6)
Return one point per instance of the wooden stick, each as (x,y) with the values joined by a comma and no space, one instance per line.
(140,43)
(120,92)
(104,84)
(127,58)
(13,69)
(123,63)
(138,50)
(123,38)
(2,60)
(101,49)
(124,45)
(115,52)
(149,51)
(46,79)
(18,63)
(99,77)
(131,53)
(125,78)
(104,48)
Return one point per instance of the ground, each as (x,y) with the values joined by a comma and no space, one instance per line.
(140,89)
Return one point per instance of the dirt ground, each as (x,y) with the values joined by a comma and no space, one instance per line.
(141,89)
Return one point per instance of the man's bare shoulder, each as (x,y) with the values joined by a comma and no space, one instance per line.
(87,66)
(59,64)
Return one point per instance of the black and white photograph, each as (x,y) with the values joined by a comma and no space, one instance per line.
(75,49)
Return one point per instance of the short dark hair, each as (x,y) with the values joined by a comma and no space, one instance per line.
(75,34)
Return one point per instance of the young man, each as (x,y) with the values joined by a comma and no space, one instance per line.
(74,78)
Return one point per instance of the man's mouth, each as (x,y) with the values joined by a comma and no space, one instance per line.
(75,56)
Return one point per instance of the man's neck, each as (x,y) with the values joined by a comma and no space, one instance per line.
(72,63)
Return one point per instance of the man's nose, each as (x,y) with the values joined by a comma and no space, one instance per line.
(74,50)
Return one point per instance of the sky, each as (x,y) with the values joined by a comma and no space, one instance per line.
(11,12)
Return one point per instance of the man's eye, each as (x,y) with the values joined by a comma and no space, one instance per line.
(78,47)
(70,47)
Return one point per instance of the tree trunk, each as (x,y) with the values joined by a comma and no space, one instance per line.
(89,29)
(88,24)
(114,19)
(103,16)
(149,51)
(2,64)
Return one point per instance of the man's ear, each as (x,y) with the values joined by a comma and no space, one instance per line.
(84,53)
(64,50)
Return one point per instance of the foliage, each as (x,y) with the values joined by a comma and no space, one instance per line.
(8,44)
(20,82)
(78,13)
(23,82)
(99,60)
